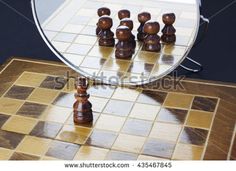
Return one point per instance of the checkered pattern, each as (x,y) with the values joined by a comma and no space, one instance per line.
(72,32)
(36,122)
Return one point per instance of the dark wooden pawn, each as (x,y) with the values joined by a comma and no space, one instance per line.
(101,12)
(152,40)
(124,49)
(124,14)
(106,36)
(168,31)
(82,107)
(129,23)
(142,18)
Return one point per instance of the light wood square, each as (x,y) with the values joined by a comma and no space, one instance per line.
(200,119)
(74,134)
(91,153)
(178,100)
(187,152)
(5,154)
(34,145)
(56,114)
(166,131)
(19,124)
(30,79)
(10,106)
(111,123)
(43,95)
(129,143)
(144,111)
(82,39)
(126,94)
(98,103)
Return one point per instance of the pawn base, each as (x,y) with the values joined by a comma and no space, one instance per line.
(152,48)
(124,54)
(168,39)
(107,42)
(83,118)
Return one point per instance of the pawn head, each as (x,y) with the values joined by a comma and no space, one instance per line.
(169,18)
(127,22)
(105,22)
(124,14)
(103,11)
(144,17)
(123,33)
(152,27)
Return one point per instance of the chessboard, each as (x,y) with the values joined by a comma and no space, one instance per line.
(71,30)
(141,123)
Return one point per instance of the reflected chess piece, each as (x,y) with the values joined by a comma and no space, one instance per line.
(105,52)
(142,18)
(101,12)
(168,31)
(124,14)
(106,36)
(152,40)
(129,23)
(82,107)
(124,49)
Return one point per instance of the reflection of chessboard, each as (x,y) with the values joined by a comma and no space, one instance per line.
(71,29)
(36,119)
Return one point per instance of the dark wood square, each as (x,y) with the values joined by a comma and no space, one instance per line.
(159,148)
(62,150)
(205,104)
(152,97)
(120,155)
(65,100)
(22,156)
(56,83)
(117,107)
(19,92)
(137,127)
(10,140)
(3,119)
(33,110)
(103,139)
(46,129)
(193,136)
(172,115)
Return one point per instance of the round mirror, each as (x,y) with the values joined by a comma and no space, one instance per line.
(68,27)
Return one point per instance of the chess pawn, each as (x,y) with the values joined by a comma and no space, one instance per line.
(123,14)
(129,23)
(124,49)
(152,40)
(142,18)
(106,36)
(82,107)
(101,12)
(168,31)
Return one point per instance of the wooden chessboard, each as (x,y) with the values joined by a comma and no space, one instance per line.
(71,30)
(129,124)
